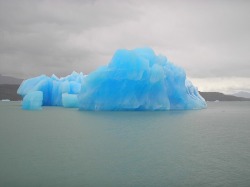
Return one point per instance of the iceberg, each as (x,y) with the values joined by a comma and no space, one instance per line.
(33,101)
(55,91)
(135,79)
(69,100)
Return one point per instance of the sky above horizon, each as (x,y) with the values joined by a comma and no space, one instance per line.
(209,39)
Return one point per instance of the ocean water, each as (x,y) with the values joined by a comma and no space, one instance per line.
(66,147)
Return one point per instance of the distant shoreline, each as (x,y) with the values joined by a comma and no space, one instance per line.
(9,91)
(217,96)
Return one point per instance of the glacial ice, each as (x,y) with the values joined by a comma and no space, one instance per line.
(69,100)
(133,80)
(33,101)
(56,91)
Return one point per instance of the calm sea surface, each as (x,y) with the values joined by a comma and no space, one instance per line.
(68,148)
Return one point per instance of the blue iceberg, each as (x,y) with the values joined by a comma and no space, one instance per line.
(69,100)
(33,101)
(55,91)
(133,80)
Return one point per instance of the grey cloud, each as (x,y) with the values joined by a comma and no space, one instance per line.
(206,38)
(34,34)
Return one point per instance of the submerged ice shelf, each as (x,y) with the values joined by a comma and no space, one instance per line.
(133,80)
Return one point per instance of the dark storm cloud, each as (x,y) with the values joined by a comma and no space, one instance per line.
(209,39)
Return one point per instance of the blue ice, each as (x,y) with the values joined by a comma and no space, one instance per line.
(54,89)
(69,100)
(139,80)
(133,80)
(33,101)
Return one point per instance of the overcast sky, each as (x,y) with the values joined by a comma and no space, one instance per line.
(209,39)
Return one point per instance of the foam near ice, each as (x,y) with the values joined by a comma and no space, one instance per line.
(133,80)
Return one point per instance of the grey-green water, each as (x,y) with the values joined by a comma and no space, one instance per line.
(65,147)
